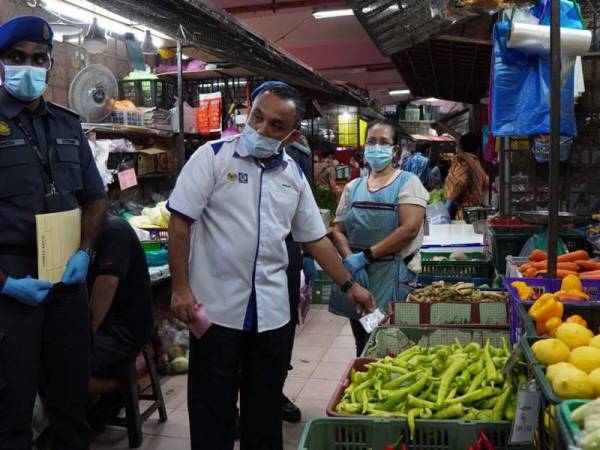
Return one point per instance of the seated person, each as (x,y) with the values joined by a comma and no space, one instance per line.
(120,301)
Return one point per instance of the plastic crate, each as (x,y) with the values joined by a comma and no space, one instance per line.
(548,433)
(367,434)
(568,430)
(588,311)
(484,314)
(508,241)
(393,339)
(478,266)
(512,266)
(321,288)
(541,286)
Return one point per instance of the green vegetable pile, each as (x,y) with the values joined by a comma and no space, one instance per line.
(587,417)
(436,196)
(440,382)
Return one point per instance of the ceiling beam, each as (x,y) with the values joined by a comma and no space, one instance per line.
(275,6)
(461,39)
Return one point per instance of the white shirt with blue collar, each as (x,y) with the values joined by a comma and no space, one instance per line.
(242,211)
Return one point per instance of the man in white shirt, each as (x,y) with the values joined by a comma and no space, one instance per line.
(235,202)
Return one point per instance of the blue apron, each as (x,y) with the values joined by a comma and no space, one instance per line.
(372,216)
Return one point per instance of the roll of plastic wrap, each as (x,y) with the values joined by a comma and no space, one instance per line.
(535,39)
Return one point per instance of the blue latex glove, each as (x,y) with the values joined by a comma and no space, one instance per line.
(361,278)
(77,267)
(449,204)
(310,269)
(29,291)
(355,262)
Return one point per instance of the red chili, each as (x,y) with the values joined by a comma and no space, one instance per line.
(389,447)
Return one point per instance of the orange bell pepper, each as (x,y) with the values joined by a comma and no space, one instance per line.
(545,308)
(552,325)
(577,319)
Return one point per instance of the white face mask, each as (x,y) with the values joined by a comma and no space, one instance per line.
(260,146)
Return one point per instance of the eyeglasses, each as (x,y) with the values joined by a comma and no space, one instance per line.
(20,58)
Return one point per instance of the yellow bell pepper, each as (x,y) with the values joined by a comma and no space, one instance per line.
(571,283)
(552,325)
(545,308)
(525,292)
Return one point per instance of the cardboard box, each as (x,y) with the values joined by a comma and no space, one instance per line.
(152,160)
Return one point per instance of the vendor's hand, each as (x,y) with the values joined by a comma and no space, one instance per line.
(362,278)
(355,262)
(28,290)
(77,268)
(310,269)
(182,306)
(362,299)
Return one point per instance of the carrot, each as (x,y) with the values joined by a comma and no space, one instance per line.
(578,255)
(593,275)
(589,264)
(525,267)
(530,273)
(541,265)
(560,273)
(538,255)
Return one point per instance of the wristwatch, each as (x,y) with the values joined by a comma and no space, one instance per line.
(90,252)
(368,254)
(347,285)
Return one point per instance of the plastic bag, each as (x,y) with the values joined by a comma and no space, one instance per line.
(305,298)
(437,214)
(520,92)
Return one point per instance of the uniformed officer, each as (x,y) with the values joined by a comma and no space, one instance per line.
(46,166)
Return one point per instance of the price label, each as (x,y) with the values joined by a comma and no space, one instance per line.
(527,415)
(127,179)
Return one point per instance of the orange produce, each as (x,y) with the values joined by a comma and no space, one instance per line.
(551,326)
(578,255)
(560,273)
(538,255)
(577,319)
(588,265)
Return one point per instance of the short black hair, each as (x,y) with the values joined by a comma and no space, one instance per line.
(358,157)
(386,123)
(327,148)
(422,146)
(470,143)
(289,93)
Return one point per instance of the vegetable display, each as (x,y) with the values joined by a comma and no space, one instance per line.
(441,292)
(588,418)
(439,382)
(573,263)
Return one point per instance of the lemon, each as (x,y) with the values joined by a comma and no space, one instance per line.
(595,379)
(574,335)
(585,358)
(550,351)
(573,383)
(555,369)
(595,342)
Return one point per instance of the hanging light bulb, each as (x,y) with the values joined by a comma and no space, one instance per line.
(95,41)
(148,47)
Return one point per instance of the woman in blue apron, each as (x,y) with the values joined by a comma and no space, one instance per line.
(378,229)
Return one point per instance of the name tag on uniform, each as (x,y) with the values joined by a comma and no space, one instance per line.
(5,143)
(64,141)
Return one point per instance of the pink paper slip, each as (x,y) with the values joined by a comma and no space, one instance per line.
(201,323)
(127,179)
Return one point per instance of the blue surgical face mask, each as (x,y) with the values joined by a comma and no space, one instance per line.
(261,146)
(379,156)
(25,82)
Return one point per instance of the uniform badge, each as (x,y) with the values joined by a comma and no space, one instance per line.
(232,176)
(243,177)
(46,32)
(4,129)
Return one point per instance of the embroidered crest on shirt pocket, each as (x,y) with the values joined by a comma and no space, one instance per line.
(232,177)
(243,177)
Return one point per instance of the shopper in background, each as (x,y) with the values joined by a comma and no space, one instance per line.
(120,300)
(417,163)
(467,182)
(325,171)
(46,166)
(233,206)
(357,164)
(379,228)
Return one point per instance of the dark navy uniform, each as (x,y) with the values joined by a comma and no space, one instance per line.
(46,165)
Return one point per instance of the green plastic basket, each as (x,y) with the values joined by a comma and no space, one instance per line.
(375,434)
(388,340)
(569,430)
(321,288)
(409,313)
(478,266)
(508,241)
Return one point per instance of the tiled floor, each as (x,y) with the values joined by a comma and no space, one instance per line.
(324,347)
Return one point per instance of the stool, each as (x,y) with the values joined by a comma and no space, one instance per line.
(129,386)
